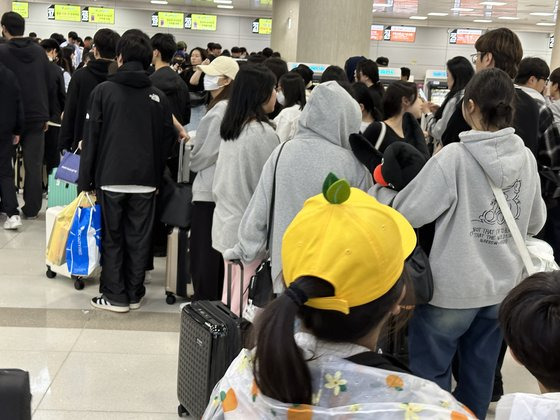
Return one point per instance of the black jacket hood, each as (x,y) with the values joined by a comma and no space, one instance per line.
(166,80)
(131,74)
(24,49)
(99,68)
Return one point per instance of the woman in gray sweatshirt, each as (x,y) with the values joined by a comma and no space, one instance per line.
(248,140)
(207,266)
(320,146)
(474,260)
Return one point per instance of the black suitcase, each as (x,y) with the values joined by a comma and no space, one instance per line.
(211,337)
(15,395)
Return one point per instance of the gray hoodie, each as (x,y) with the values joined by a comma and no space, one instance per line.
(474,260)
(320,146)
(238,169)
(206,144)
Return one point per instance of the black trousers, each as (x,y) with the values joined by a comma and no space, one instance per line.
(33,146)
(207,264)
(52,157)
(8,193)
(125,247)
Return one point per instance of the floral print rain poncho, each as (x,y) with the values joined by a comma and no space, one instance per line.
(342,389)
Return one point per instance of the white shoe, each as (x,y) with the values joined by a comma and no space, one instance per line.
(12,223)
(148,277)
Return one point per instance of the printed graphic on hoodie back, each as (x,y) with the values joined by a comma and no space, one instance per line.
(493,229)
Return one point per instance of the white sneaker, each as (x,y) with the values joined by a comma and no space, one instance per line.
(12,223)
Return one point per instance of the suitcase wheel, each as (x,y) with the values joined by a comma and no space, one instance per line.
(50,274)
(78,283)
(182,411)
(170,299)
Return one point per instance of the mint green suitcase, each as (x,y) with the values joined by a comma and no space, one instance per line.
(60,193)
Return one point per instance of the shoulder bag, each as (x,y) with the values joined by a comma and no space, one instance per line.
(537,255)
(260,288)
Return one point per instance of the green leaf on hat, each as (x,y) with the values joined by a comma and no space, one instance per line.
(329,180)
(335,190)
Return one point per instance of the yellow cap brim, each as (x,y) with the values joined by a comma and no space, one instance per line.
(408,235)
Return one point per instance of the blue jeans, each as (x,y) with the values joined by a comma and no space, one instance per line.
(437,334)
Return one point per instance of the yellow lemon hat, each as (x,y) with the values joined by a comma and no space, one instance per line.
(347,238)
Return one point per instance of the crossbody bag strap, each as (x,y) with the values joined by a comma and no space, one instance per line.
(272,198)
(513,228)
(381,136)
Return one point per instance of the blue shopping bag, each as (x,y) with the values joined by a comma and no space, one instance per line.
(83,249)
(69,168)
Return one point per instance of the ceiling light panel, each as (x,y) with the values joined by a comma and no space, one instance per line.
(493,3)
(224,6)
(437,14)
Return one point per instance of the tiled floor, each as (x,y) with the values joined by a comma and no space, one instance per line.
(84,364)
(92,365)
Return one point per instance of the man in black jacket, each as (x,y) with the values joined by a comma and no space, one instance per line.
(502,49)
(82,83)
(177,92)
(56,83)
(167,80)
(27,60)
(11,125)
(129,134)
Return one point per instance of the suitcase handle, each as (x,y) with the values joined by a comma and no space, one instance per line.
(229,284)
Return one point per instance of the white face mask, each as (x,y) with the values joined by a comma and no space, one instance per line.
(211,82)
(280,98)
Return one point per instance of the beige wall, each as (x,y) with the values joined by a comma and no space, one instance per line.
(5,6)
(555,59)
(285,19)
(322,31)
(330,31)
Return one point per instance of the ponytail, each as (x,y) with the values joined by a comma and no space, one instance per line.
(281,372)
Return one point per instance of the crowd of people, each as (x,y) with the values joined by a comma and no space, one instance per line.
(265,139)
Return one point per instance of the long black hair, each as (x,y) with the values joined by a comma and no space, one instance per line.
(362,95)
(370,69)
(392,101)
(252,88)
(66,58)
(283,373)
(293,86)
(462,72)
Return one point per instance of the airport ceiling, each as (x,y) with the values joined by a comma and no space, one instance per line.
(534,15)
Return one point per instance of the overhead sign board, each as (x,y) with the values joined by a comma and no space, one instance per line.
(464,36)
(200,22)
(64,12)
(98,15)
(399,33)
(21,8)
(262,26)
(168,20)
(377,32)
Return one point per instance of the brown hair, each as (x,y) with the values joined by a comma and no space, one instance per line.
(505,48)
(223,95)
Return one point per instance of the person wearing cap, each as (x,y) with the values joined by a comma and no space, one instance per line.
(248,139)
(207,264)
(321,145)
(343,262)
